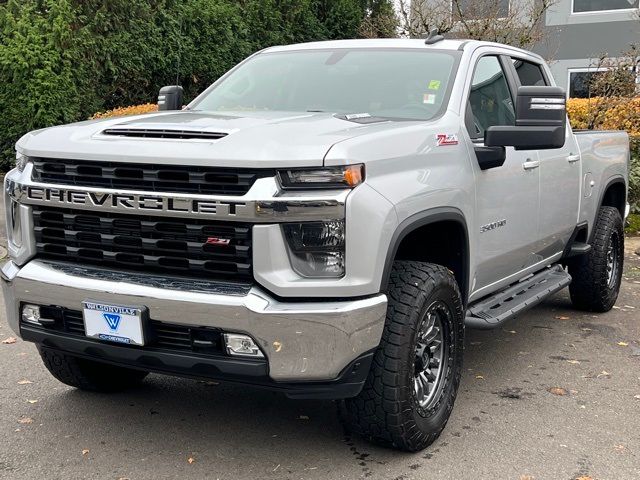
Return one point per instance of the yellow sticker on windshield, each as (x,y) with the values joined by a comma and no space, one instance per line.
(434,85)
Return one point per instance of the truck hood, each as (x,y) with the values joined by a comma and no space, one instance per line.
(248,139)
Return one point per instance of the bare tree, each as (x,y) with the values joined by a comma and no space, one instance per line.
(522,25)
(612,84)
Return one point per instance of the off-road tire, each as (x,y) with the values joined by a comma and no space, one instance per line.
(89,375)
(590,288)
(386,411)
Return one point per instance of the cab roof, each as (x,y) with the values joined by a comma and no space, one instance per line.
(462,44)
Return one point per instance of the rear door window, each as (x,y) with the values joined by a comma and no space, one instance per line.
(529,74)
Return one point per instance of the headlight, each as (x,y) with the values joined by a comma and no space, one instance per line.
(21,161)
(330,177)
(316,249)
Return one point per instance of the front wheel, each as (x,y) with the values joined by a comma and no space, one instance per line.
(596,276)
(87,374)
(409,393)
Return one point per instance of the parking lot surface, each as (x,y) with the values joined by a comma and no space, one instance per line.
(555,394)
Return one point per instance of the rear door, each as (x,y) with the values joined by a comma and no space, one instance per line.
(507,197)
(560,172)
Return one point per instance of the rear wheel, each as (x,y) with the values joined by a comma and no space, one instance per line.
(414,378)
(596,276)
(89,375)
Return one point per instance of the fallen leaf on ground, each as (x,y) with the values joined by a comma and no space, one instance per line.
(9,341)
(24,382)
(32,401)
(526,477)
(603,373)
(619,448)
(208,383)
(574,362)
(562,317)
(85,451)
(623,344)
(25,420)
(191,460)
(479,377)
(558,391)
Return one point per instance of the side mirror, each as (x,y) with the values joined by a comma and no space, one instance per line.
(170,98)
(541,121)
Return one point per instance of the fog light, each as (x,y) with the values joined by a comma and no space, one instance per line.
(241,345)
(31,314)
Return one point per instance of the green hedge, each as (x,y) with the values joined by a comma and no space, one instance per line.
(63,60)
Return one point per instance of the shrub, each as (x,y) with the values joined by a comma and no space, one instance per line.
(123,111)
(605,114)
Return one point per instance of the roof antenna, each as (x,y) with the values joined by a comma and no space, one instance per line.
(434,37)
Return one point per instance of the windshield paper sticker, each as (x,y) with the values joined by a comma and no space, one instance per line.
(444,139)
(434,85)
(429,98)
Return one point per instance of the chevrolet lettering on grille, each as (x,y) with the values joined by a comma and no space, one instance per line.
(132,202)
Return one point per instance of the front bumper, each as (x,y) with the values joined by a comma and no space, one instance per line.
(303,341)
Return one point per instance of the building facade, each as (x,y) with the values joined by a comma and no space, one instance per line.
(575,33)
(578,32)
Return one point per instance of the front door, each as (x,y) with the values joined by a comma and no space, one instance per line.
(507,197)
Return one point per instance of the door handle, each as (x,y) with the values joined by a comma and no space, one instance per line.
(531,164)
(573,158)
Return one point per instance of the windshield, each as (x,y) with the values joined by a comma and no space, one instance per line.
(392,83)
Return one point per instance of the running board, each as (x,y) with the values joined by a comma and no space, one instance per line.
(500,307)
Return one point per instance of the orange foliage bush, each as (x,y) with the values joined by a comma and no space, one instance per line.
(123,111)
(609,114)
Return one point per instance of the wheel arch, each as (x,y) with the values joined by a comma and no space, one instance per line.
(614,195)
(416,229)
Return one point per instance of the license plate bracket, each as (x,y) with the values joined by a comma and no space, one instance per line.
(123,324)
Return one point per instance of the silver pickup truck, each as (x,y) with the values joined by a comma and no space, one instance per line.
(324,220)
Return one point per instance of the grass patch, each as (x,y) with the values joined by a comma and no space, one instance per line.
(633,224)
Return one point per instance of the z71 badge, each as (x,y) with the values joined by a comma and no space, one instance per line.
(445,139)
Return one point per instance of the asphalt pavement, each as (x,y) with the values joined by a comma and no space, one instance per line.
(555,394)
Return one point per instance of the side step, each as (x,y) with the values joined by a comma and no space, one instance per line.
(500,307)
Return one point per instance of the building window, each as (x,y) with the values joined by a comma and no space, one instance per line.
(479,9)
(580,82)
(586,6)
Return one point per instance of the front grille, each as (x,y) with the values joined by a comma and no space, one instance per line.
(148,177)
(195,248)
(160,335)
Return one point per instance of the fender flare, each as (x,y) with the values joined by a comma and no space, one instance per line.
(612,181)
(422,219)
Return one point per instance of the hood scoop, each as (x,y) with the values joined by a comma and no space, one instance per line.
(164,133)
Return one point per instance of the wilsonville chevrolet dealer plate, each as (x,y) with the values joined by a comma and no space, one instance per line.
(114,323)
